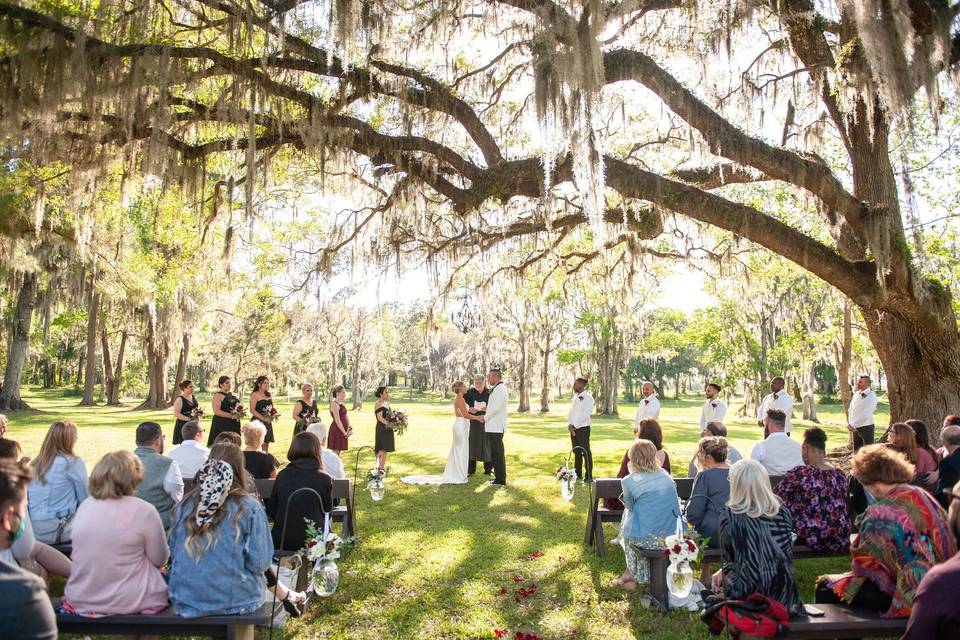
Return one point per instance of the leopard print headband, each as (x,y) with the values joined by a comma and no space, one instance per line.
(216,478)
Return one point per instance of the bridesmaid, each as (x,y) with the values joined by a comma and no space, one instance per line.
(384,441)
(182,407)
(223,403)
(304,408)
(261,407)
(340,428)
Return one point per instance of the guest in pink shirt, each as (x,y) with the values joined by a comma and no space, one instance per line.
(118,545)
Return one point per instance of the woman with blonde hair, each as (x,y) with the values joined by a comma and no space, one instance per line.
(258,463)
(220,544)
(118,545)
(756,533)
(59,484)
(651,509)
(340,431)
(902,535)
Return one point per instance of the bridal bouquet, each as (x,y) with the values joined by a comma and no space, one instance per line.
(238,412)
(272,413)
(196,413)
(397,421)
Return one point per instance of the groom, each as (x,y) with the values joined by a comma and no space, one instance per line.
(495,425)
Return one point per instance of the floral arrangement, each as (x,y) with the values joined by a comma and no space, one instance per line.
(196,413)
(376,475)
(238,412)
(396,421)
(317,549)
(682,548)
(306,421)
(566,474)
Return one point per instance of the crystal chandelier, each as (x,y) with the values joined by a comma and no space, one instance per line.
(466,317)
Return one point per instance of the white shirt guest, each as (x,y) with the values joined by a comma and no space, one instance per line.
(649,405)
(191,454)
(714,409)
(862,406)
(778,398)
(580,410)
(778,453)
(332,463)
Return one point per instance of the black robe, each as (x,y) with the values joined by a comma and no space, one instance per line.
(478,443)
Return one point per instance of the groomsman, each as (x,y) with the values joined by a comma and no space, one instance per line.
(777,399)
(714,409)
(495,425)
(476,399)
(578,422)
(649,405)
(860,413)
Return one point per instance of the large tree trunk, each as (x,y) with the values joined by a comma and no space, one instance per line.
(523,382)
(155,349)
(112,374)
(181,367)
(90,369)
(844,355)
(18,343)
(545,382)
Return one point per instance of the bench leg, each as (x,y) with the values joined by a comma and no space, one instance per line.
(658,583)
(598,538)
(240,632)
(588,533)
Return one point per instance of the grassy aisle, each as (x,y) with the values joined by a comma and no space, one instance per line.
(450,562)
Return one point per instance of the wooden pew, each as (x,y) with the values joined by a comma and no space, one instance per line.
(843,622)
(598,514)
(344,513)
(685,486)
(167,623)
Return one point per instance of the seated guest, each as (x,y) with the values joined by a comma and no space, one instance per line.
(220,544)
(777,453)
(332,463)
(191,454)
(816,494)
(259,464)
(902,438)
(644,429)
(756,532)
(304,470)
(3,425)
(715,430)
(949,468)
(927,457)
(25,610)
(162,484)
(711,489)
(652,509)
(119,545)
(59,484)
(950,421)
(231,437)
(902,535)
(934,615)
(26,548)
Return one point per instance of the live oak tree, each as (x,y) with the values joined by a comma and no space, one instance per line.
(474,123)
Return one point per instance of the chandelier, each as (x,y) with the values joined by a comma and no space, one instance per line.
(466,317)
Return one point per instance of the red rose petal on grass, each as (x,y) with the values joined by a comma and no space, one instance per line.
(516,578)
(503,590)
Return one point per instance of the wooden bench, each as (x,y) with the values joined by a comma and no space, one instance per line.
(843,622)
(598,514)
(344,513)
(685,486)
(167,623)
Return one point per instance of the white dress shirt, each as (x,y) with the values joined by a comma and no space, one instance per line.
(649,408)
(713,411)
(173,482)
(495,420)
(190,455)
(779,400)
(580,410)
(778,453)
(333,465)
(862,407)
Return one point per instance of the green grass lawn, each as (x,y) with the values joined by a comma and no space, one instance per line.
(447,562)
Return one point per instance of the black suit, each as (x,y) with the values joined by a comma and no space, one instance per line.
(949,476)
(303,472)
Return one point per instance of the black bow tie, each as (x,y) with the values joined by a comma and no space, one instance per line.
(775,396)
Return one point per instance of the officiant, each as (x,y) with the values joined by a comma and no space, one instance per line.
(476,398)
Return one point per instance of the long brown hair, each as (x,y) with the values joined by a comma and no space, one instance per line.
(60,440)
(906,440)
(198,538)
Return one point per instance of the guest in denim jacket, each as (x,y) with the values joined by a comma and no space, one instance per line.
(59,485)
(652,508)
(220,544)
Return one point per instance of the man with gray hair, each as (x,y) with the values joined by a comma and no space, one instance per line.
(649,407)
(950,465)
(332,463)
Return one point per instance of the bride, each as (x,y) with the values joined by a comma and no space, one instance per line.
(456,470)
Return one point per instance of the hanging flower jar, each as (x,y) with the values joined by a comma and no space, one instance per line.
(323,549)
(567,478)
(325,577)
(682,551)
(376,485)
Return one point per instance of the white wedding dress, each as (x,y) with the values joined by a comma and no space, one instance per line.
(456,470)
